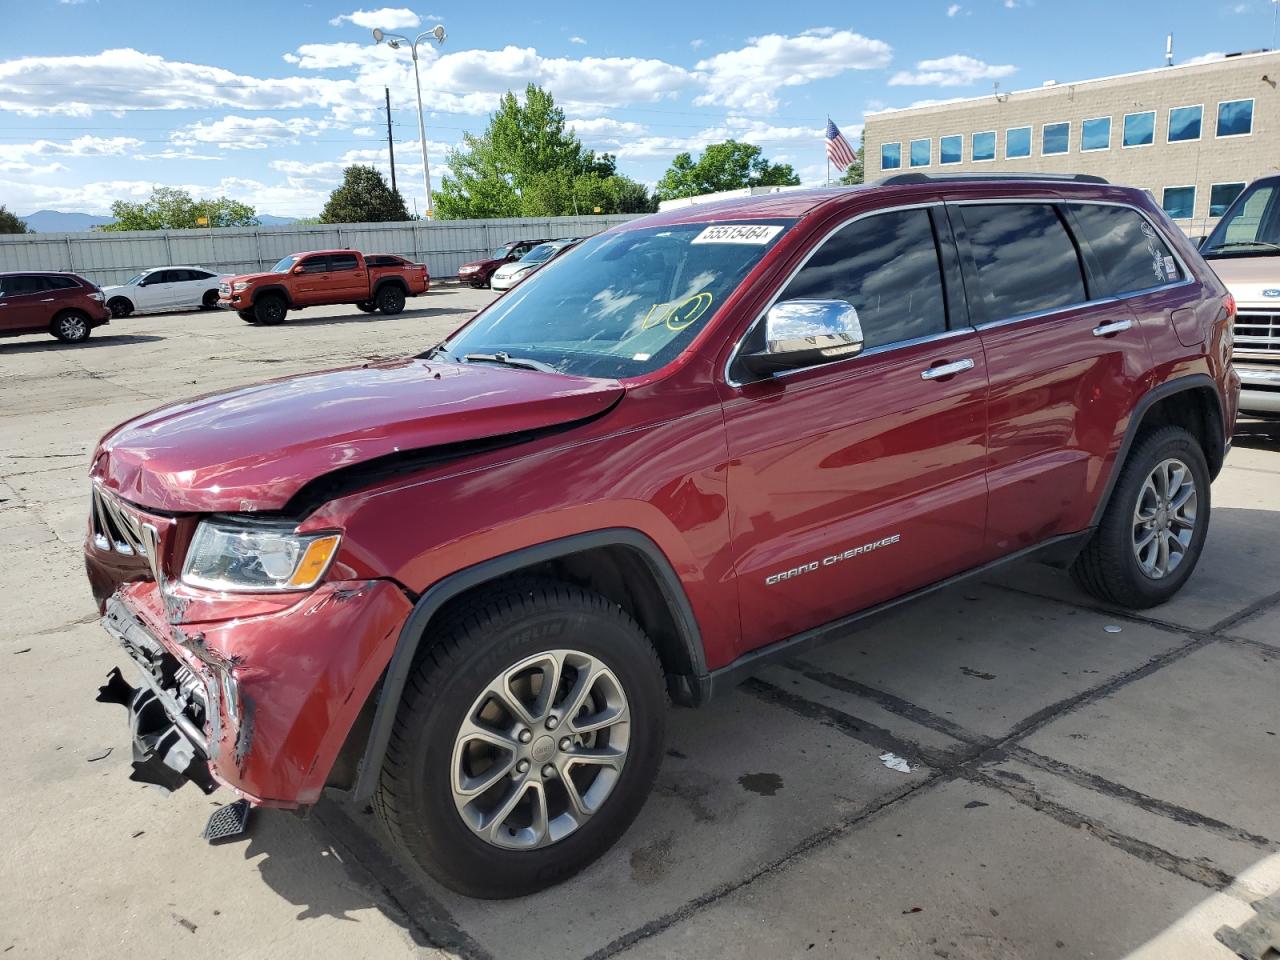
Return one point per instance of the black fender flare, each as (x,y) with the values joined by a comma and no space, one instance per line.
(1194,381)
(274,288)
(430,602)
(394,281)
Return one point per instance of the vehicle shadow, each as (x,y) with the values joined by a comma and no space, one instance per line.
(98,340)
(1258,434)
(302,319)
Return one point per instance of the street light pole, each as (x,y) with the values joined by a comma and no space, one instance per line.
(393,41)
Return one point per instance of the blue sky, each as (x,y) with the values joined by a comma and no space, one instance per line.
(266,101)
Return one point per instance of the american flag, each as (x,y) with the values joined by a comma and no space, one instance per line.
(838,150)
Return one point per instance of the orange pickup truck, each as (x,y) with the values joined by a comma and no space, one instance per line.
(376,282)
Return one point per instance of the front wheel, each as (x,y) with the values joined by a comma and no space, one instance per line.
(270,310)
(210,300)
(527,740)
(120,307)
(70,326)
(1154,527)
(391,299)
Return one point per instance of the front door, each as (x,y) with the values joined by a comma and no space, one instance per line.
(1067,362)
(158,290)
(857,481)
(312,282)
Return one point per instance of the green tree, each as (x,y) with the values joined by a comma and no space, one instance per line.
(723,166)
(364,197)
(9,222)
(528,164)
(853,174)
(171,209)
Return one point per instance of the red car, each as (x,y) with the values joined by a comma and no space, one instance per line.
(479,272)
(63,304)
(465,584)
(320,277)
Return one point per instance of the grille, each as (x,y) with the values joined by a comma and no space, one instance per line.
(224,289)
(1257,334)
(117,528)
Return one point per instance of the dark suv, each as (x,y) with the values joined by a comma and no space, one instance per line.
(699,440)
(63,304)
(478,272)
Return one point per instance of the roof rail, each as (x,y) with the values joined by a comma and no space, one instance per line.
(903,179)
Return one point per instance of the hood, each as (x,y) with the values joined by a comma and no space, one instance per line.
(252,449)
(510,269)
(1251,280)
(479,264)
(250,277)
(112,288)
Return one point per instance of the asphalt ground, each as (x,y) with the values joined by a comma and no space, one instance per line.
(1081,782)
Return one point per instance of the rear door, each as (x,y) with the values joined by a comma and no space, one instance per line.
(21,308)
(348,278)
(857,481)
(1067,364)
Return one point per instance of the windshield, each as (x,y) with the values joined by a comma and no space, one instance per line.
(542,251)
(1251,226)
(134,280)
(284,265)
(620,304)
(500,253)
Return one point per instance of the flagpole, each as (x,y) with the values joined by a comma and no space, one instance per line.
(828,152)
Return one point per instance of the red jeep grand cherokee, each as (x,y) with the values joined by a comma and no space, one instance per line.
(467,582)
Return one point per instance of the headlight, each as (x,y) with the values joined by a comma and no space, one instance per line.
(232,556)
(242,285)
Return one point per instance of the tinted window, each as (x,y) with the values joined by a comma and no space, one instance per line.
(181,276)
(890,156)
(59,283)
(951,149)
(1184,123)
(199,275)
(1235,118)
(1221,196)
(984,145)
(315,265)
(1017,142)
(1056,138)
(887,267)
(1179,202)
(342,261)
(1095,134)
(1139,129)
(1025,258)
(921,152)
(1126,246)
(20,285)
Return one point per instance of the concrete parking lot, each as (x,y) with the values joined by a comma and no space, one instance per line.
(1082,782)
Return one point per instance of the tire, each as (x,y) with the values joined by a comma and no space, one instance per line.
(390,299)
(477,644)
(1114,565)
(247,316)
(367,306)
(70,326)
(120,307)
(210,300)
(270,310)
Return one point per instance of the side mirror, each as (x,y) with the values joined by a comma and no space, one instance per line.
(297,269)
(803,333)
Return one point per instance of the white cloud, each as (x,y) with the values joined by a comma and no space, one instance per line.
(749,78)
(363,131)
(86,146)
(1206,58)
(696,42)
(388,18)
(953,9)
(248,133)
(956,70)
(734,127)
(333,56)
(171,153)
(577,40)
(604,128)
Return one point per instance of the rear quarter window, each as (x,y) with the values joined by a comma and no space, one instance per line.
(1127,248)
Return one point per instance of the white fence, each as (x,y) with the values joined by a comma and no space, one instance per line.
(443,245)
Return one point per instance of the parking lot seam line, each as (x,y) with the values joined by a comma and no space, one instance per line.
(426,919)
(1023,792)
(1255,470)
(890,702)
(1261,646)
(1128,616)
(1119,791)
(864,815)
(1252,610)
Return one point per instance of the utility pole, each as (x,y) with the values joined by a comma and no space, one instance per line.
(391,147)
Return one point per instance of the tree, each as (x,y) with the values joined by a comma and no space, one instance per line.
(364,197)
(9,222)
(172,209)
(853,173)
(528,164)
(723,166)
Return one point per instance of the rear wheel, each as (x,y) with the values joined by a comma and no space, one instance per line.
(209,300)
(366,306)
(120,307)
(1154,527)
(270,310)
(70,326)
(391,299)
(527,740)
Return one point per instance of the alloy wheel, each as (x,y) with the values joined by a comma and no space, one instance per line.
(540,750)
(1164,518)
(73,328)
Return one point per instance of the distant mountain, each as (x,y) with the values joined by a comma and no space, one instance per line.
(55,221)
(267,220)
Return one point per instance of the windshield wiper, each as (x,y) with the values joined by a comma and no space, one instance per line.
(507,360)
(1246,243)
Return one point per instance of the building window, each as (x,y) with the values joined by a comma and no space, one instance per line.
(951,149)
(1017,143)
(1055,138)
(1179,202)
(1235,118)
(1095,134)
(1184,124)
(1139,129)
(890,156)
(921,153)
(1221,196)
(984,146)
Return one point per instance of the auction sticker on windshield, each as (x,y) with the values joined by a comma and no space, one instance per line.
(754,233)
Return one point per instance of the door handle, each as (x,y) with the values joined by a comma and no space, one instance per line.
(946,370)
(1115,326)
